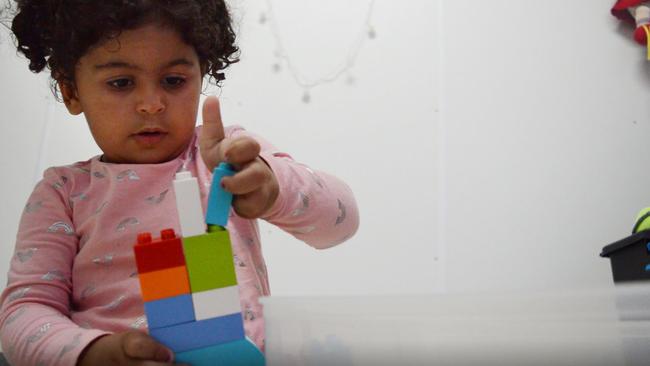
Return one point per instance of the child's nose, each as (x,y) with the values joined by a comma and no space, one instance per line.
(151,102)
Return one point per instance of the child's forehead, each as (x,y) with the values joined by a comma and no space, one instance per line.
(146,45)
(147,36)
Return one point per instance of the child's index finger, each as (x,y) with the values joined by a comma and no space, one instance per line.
(212,132)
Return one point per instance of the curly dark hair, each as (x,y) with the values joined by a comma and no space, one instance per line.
(57,33)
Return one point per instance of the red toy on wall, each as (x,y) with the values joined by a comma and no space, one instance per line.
(636,12)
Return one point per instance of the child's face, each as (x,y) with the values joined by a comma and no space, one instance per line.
(139,94)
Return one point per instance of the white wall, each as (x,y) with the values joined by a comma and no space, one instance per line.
(490,146)
(546,119)
(376,134)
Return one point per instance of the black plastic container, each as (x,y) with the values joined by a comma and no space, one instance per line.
(630,257)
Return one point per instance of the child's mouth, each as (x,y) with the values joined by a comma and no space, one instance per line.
(149,137)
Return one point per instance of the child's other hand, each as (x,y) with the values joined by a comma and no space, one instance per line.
(254,186)
(129,348)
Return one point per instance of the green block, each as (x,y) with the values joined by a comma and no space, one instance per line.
(209,261)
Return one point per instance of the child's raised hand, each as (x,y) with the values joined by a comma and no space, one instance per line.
(129,348)
(254,186)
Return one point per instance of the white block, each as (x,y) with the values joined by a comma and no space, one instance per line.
(188,201)
(214,303)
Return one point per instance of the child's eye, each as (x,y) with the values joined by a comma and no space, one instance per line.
(173,81)
(120,83)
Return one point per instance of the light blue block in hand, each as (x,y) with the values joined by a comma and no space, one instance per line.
(220,200)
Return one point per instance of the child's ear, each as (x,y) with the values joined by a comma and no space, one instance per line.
(70,98)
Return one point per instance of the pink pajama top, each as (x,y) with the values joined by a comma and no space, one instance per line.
(73,275)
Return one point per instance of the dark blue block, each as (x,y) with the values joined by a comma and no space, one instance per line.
(204,333)
(220,200)
(237,353)
(169,311)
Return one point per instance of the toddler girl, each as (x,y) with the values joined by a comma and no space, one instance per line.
(135,69)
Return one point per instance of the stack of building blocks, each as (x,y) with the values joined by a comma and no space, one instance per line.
(188,283)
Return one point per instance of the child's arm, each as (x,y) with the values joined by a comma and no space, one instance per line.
(34,320)
(313,206)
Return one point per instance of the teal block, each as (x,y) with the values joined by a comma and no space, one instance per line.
(237,353)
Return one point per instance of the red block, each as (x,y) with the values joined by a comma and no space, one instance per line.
(153,255)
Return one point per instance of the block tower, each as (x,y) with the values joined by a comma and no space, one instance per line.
(188,283)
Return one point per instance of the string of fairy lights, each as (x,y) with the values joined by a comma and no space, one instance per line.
(283,58)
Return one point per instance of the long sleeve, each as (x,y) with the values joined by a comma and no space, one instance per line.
(35,325)
(313,206)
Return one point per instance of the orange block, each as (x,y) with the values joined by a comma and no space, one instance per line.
(164,283)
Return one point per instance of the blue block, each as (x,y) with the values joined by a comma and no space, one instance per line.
(220,200)
(169,311)
(238,353)
(204,333)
